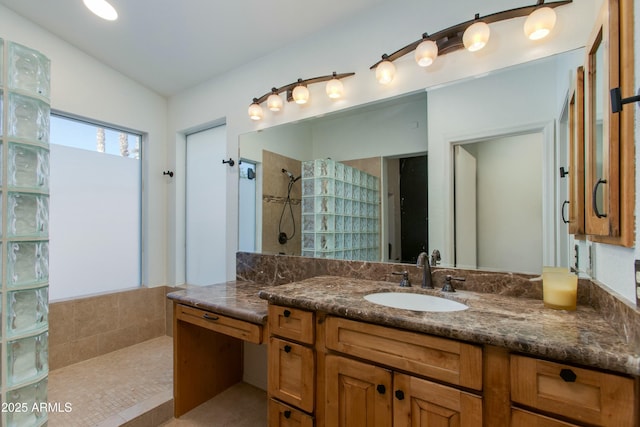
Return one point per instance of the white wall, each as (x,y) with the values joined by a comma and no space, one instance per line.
(82,86)
(349,47)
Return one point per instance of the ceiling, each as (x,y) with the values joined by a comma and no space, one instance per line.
(172,45)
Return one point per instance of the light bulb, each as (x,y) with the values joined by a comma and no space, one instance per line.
(426,53)
(300,94)
(385,72)
(274,102)
(476,36)
(255,111)
(334,88)
(102,8)
(540,23)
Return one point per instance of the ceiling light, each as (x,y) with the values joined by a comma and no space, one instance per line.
(255,110)
(102,8)
(540,23)
(385,71)
(334,88)
(274,102)
(300,94)
(476,36)
(426,53)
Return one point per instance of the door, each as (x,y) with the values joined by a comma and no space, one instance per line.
(413,207)
(419,402)
(465,209)
(357,394)
(206,207)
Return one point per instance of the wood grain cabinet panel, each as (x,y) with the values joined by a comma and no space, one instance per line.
(584,395)
(223,324)
(357,394)
(281,415)
(291,373)
(291,323)
(520,418)
(443,359)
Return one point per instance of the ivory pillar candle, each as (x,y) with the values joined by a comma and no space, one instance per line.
(559,289)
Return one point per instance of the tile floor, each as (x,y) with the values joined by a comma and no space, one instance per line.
(134,387)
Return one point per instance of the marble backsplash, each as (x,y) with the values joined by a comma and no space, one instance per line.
(273,270)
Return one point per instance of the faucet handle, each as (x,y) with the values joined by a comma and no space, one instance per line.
(435,257)
(404,283)
(448,286)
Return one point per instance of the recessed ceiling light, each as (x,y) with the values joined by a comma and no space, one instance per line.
(102,8)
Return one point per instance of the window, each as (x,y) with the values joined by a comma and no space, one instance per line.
(95,213)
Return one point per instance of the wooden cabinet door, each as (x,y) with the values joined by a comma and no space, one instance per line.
(357,394)
(419,402)
(291,373)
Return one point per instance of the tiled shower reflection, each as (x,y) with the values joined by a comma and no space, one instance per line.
(340,211)
(24,235)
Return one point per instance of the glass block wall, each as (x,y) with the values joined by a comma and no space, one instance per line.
(24,237)
(340,212)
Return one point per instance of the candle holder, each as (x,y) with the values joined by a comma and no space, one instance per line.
(559,288)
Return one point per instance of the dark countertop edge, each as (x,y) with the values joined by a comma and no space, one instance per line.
(619,363)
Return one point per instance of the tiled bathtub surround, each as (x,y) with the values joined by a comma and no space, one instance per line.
(88,327)
(281,269)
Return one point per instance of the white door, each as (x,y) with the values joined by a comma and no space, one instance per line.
(465,208)
(206,232)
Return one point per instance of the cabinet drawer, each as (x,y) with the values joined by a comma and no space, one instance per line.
(281,415)
(291,373)
(581,394)
(216,322)
(438,358)
(520,418)
(291,323)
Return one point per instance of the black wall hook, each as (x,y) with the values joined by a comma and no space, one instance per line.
(170,173)
(230,162)
(617,101)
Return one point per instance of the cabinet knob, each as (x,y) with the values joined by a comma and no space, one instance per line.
(287,414)
(286,313)
(568,375)
(399,394)
(209,317)
(381,389)
(287,348)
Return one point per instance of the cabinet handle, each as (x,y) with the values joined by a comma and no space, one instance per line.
(565,203)
(209,317)
(381,389)
(286,313)
(399,394)
(287,414)
(594,205)
(568,375)
(287,348)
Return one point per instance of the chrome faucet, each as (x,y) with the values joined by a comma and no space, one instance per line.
(423,262)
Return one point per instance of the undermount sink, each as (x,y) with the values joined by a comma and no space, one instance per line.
(415,302)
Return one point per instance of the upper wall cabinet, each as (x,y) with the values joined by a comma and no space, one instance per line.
(609,137)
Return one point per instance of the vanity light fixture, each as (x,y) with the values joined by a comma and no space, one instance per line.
(102,8)
(298,92)
(472,35)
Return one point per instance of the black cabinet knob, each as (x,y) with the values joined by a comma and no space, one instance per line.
(399,394)
(287,414)
(568,375)
(286,313)
(287,348)
(381,389)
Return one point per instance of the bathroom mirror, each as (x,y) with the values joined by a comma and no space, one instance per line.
(423,125)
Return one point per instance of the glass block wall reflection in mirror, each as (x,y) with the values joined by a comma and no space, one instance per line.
(24,236)
(340,212)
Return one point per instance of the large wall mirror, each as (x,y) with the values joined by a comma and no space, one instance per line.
(502,121)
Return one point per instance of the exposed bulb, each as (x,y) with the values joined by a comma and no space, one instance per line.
(300,94)
(274,102)
(334,88)
(540,23)
(476,36)
(426,53)
(255,111)
(385,72)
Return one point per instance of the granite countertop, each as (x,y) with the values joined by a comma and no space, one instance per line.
(518,324)
(237,299)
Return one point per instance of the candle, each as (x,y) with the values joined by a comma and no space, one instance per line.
(559,289)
